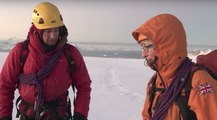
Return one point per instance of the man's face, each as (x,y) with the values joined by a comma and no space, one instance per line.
(148,51)
(51,36)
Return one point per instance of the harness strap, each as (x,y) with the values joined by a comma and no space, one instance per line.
(153,90)
(48,106)
(36,79)
(68,109)
(18,111)
(182,101)
(71,69)
(25,52)
(51,106)
(152,93)
(160,89)
(186,113)
(72,66)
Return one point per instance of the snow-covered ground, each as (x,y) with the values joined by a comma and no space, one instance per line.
(118,87)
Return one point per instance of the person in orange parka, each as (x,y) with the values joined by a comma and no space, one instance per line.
(164,45)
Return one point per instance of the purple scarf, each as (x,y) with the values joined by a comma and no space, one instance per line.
(166,98)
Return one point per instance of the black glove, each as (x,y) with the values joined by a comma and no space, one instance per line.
(6,118)
(78,116)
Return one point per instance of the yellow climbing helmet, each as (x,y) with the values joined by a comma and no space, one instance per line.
(46,15)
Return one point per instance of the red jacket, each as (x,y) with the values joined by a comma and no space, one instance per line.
(55,84)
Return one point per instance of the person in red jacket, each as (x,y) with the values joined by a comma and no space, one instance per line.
(43,81)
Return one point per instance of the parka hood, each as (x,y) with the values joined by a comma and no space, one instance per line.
(168,36)
(34,35)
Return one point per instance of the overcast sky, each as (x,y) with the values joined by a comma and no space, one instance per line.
(113,21)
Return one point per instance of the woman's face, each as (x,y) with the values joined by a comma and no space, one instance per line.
(148,51)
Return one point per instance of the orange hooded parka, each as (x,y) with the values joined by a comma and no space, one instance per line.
(168,36)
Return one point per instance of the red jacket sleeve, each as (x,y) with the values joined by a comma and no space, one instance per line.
(8,78)
(82,83)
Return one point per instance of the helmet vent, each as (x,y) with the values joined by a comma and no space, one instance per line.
(35,11)
(61,18)
(53,21)
(41,21)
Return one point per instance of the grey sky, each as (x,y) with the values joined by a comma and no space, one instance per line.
(113,21)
